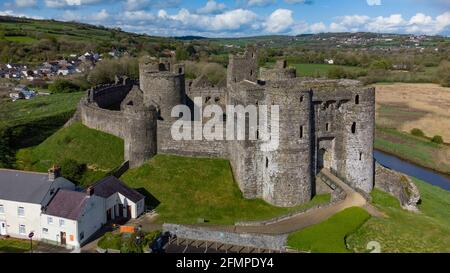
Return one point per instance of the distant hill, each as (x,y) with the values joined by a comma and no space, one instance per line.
(33,41)
(190,38)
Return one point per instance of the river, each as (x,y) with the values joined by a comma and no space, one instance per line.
(411,169)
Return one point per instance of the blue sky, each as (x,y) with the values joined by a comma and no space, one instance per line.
(232,18)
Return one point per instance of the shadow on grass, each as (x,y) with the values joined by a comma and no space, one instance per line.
(150,200)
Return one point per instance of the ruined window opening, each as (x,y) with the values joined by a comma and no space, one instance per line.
(301,131)
(357,99)
(180,70)
(216,99)
(257,133)
(251,72)
(235,79)
(354,127)
(267,162)
(207,99)
(224,117)
(301,98)
(327,127)
(130,103)
(360,156)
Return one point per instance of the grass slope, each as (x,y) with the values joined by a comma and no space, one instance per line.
(312,70)
(193,188)
(26,123)
(415,149)
(403,231)
(329,236)
(100,151)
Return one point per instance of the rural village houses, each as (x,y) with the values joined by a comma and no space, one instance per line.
(56,212)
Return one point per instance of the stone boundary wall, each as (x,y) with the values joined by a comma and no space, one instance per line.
(273,242)
(337,195)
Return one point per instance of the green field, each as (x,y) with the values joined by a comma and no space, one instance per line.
(101,152)
(403,231)
(20,39)
(12,245)
(191,188)
(314,70)
(415,149)
(329,236)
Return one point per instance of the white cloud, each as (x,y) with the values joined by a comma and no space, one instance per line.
(391,23)
(13,13)
(260,3)
(211,7)
(100,16)
(26,3)
(318,27)
(69,3)
(374,2)
(279,21)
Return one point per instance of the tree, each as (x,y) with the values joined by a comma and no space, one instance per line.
(72,170)
(63,86)
(443,74)
(437,139)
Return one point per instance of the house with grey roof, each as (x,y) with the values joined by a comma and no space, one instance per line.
(50,206)
(22,197)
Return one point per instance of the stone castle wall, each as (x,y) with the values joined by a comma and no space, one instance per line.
(323,124)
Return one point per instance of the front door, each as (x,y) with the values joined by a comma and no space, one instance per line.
(120,210)
(108,215)
(2,228)
(63,238)
(128,212)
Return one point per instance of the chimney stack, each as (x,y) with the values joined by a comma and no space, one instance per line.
(90,191)
(54,172)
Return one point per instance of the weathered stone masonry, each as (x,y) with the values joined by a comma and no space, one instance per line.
(323,124)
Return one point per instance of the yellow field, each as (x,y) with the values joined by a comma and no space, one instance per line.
(406,106)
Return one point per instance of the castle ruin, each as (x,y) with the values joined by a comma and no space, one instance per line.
(323,124)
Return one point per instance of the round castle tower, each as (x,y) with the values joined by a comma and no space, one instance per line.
(162,84)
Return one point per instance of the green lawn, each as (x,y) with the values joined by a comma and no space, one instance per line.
(192,188)
(403,231)
(12,245)
(100,151)
(329,236)
(20,39)
(415,149)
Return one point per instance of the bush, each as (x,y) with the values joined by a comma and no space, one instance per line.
(443,74)
(63,86)
(151,236)
(417,132)
(437,139)
(72,170)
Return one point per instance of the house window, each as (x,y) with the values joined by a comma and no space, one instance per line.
(45,231)
(22,230)
(2,209)
(354,127)
(21,211)
(301,131)
(50,220)
(357,99)
(61,222)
